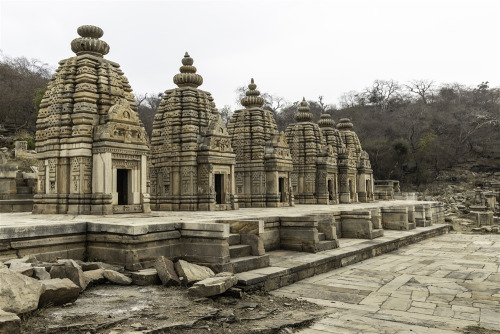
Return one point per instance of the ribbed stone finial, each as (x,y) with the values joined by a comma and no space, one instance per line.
(345,124)
(303,114)
(252,98)
(89,42)
(326,121)
(188,76)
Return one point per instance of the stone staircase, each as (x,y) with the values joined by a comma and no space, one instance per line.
(241,255)
(324,243)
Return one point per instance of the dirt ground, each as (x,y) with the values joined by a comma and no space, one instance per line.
(116,309)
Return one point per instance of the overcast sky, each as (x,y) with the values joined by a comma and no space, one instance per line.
(291,48)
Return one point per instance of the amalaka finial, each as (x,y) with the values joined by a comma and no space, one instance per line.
(252,98)
(326,121)
(188,76)
(89,42)
(345,124)
(303,114)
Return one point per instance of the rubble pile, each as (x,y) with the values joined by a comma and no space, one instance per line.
(27,284)
(468,196)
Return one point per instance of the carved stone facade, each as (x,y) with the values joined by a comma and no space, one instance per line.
(91,144)
(354,167)
(192,158)
(263,160)
(329,165)
(314,165)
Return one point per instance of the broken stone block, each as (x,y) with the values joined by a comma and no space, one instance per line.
(68,270)
(212,286)
(94,277)
(192,273)
(166,271)
(9,323)
(117,278)
(22,268)
(40,273)
(58,292)
(24,259)
(146,277)
(88,266)
(18,293)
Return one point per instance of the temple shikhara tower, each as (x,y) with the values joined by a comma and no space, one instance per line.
(263,160)
(91,145)
(192,158)
(356,175)
(314,167)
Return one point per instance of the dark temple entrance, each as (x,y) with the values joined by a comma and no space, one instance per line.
(281,186)
(122,186)
(218,188)
(331,191)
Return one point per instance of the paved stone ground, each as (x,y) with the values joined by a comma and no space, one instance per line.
(440,285)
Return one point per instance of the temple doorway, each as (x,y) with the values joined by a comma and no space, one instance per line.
(331,190)
(122,176)
(218,188)
(281,186)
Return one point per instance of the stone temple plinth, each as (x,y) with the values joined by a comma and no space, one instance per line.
(263,160)
(192,159)
(90,142)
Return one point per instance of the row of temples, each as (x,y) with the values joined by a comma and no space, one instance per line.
(95,156)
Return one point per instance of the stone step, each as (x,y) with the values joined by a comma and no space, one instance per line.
(234,239)
(23,190)
(247,263)
(376,233)
(326,245)
(321,236)
(239,251)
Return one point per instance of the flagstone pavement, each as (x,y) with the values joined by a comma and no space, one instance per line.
(439,285)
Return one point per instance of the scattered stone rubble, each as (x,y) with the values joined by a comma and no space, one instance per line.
(27,284)
(471,199)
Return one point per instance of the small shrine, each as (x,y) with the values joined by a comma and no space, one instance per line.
(90,142)
(192,162)
(356,175)
(263,160)
(314,166)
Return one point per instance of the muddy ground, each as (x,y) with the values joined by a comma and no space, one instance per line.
(116,309)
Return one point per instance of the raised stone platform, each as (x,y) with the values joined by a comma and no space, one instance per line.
(135,240)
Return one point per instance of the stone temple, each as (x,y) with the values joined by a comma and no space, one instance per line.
(192,158)
(263,160)
(90,143)
(314,165)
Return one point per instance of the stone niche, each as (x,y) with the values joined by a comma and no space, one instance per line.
(90,142)
(263,160)
(192,159)
(314,176)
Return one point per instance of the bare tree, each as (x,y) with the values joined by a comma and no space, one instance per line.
(382,92)
(422,88)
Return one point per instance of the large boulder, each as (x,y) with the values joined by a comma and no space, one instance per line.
(192,273)
(166,271)
(145,277)
(212,286)
(58,292)
(117,278)
(94,277)
(18,293)
(69,269)
(9,323)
